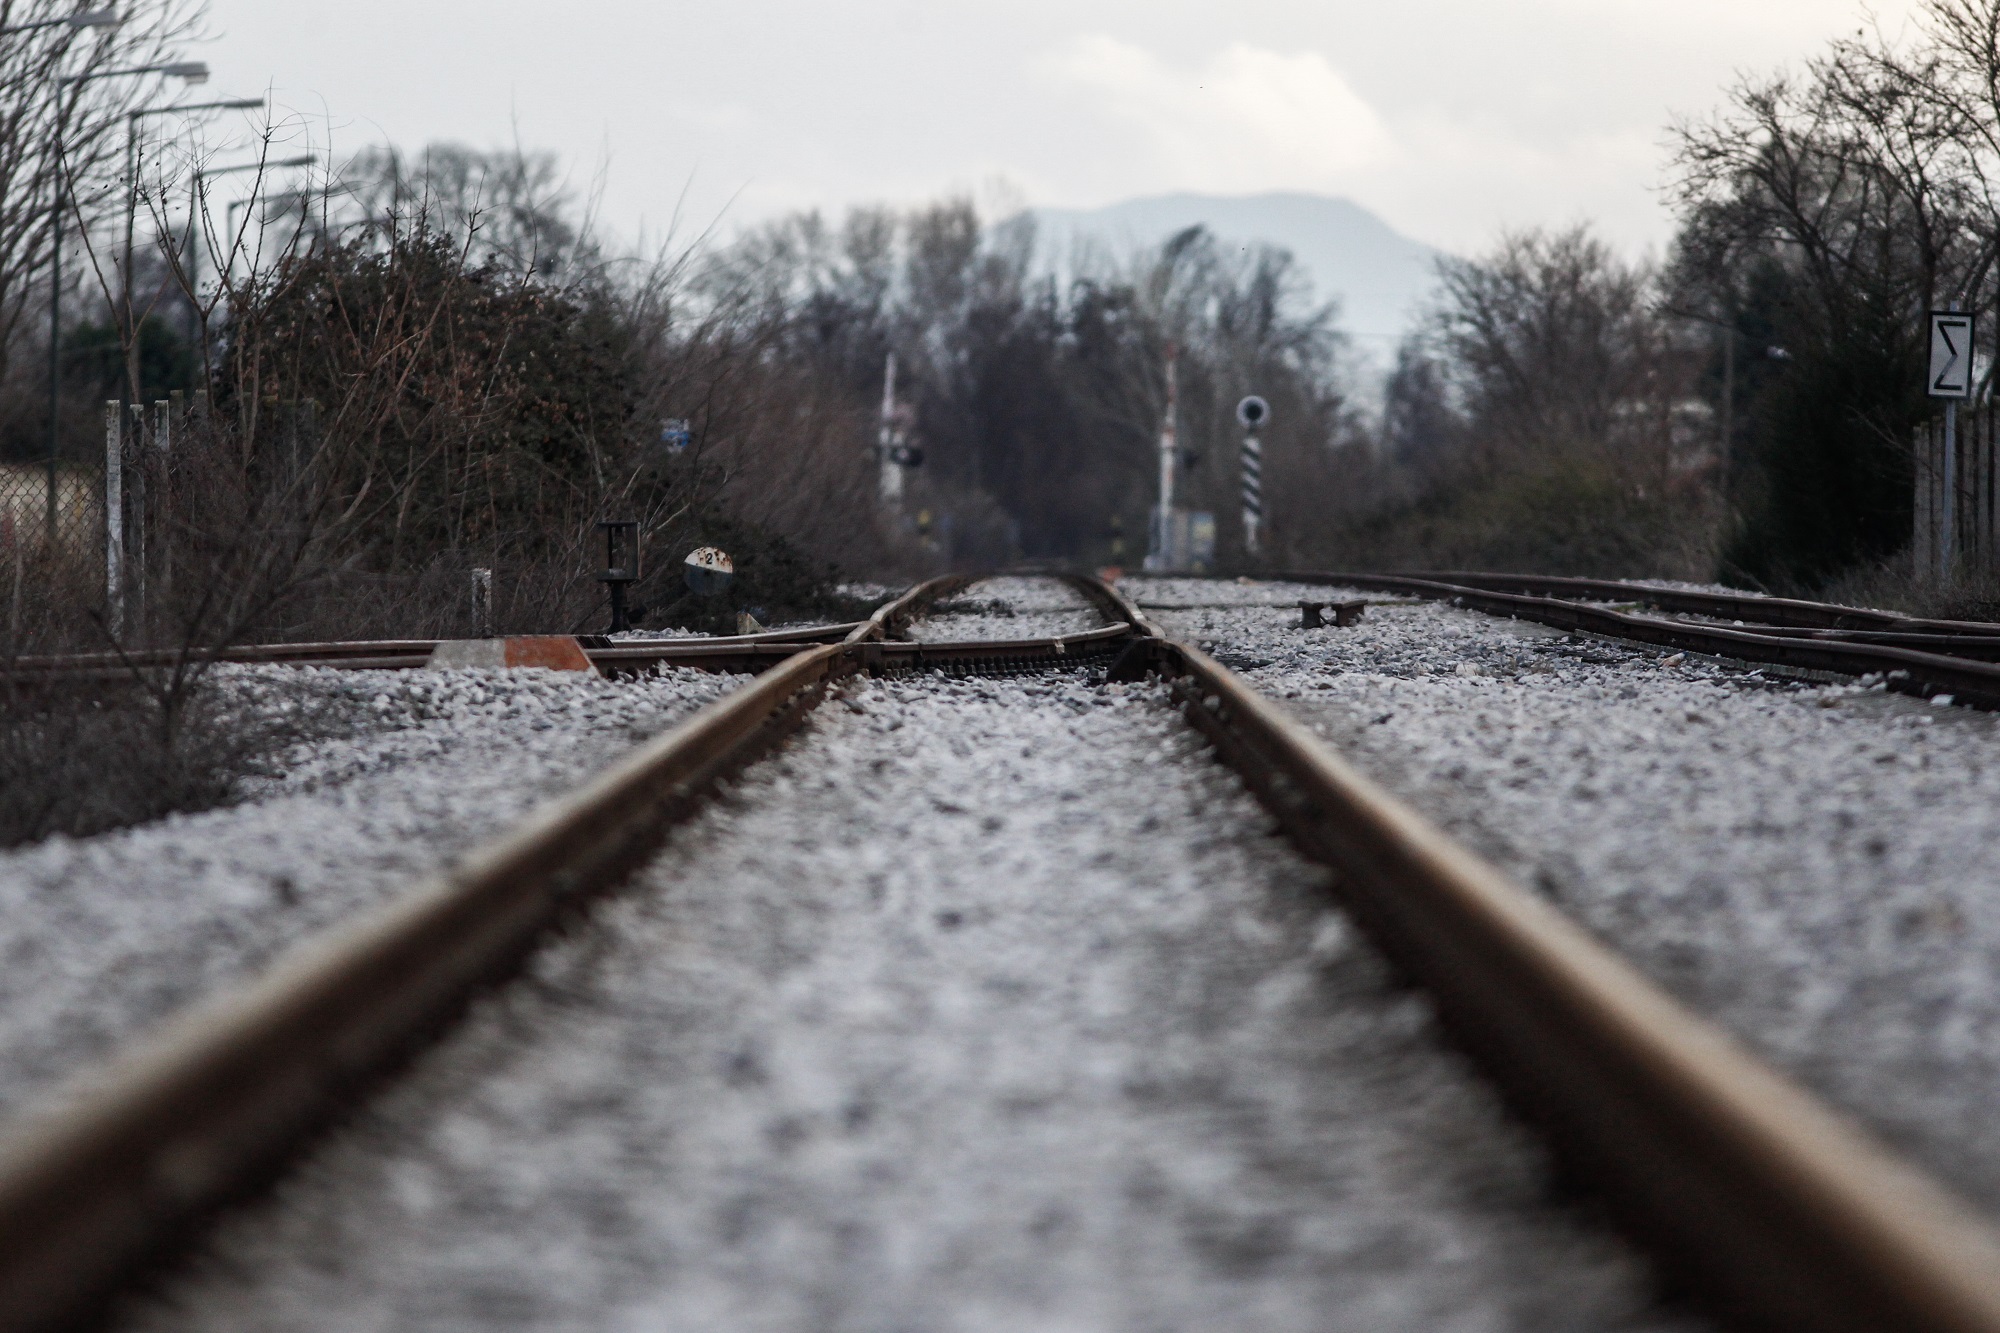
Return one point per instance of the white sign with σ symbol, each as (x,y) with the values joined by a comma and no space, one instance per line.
(1951,355)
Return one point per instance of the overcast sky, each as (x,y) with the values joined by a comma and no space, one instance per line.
(1449,118)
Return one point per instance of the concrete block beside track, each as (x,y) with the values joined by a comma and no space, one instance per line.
(557,652)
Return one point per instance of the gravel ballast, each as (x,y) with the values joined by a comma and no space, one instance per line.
(101,938)
(1008,608)
(1815,866)
(986,1004)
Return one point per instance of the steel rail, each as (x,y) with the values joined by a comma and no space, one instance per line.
(732,653)
(1924,674)
(998,655)
(213,1103)
(1783,611)
(893,617)
(1978,647)
(1777,1210)
(196,1113)
(403,654)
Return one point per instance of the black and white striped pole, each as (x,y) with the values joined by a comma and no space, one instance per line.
(1253,412)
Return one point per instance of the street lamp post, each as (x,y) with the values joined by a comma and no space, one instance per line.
(93,18)
(132,119)
(191,71)
(300,199)
(196,199)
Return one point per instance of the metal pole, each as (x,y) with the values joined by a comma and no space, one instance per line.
(482,603)
(1162,554)
(1253,491)
(55,338)
(114,516)
(885,440)
(194,248)
(145,500)
(131,214)
(1948,520)
(163,494)
(1728,400)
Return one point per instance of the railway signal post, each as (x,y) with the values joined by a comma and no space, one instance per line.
(1161,554)
(1253,412)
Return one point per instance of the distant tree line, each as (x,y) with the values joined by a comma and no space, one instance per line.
(426,362)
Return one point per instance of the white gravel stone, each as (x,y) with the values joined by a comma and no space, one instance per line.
(102,937)
(986,1005)
(1009,608)
(1816,867)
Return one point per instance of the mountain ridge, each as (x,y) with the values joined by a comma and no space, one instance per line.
(1379,276)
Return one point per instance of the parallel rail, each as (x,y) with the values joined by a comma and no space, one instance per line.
(201,1111)
(1774,1208)
(1925,673)
(1780,611)
(732,653)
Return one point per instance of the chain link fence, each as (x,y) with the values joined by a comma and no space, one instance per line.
(76,533)
(1974,504)
(53,514)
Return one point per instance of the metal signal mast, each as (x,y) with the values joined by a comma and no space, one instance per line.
(1161,556)
(892,471)
(1253,412)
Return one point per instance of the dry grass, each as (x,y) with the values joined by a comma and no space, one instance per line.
(1891,586)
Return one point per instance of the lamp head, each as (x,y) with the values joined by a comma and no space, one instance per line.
(188,71)
(95,18)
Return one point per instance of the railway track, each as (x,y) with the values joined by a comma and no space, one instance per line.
(1787,612)
(1774,1208)
(743,654)
(1921,658)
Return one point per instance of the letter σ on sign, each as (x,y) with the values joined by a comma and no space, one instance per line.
(1951,355)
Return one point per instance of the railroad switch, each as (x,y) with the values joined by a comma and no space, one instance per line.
(1311,614)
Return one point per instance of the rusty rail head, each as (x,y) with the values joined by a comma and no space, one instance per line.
(1779,1211)
(1116,605)
(890,618)
(186,1117)
(1776,1208)
(182,1121)
(1923,673)
(1789,612)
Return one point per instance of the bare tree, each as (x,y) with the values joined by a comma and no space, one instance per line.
(1551,343)
(1831,207)
(60,119)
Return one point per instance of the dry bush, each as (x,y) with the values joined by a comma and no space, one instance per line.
(1891,585)
(81,762)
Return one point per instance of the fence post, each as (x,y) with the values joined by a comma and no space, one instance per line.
(1989,448)
(164,493)
(14,603)
(482,603)
(1924,536)
(114,515)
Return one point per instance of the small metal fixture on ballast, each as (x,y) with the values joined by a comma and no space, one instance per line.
(621,569)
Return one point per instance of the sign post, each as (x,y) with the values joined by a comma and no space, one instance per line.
(1950,378)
